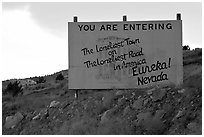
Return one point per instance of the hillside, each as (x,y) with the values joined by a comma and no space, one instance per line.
(50,108)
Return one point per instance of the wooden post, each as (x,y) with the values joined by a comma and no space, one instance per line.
(76,91)
(178,16)
(124,18)
(75,18)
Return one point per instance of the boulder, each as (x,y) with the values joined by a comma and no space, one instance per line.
(158,94)
(36,117)
(181,91)
(105,117)
(23,132)
(180,113)
(150,91)
(146,101)
(121,101)
(141,117)
(108,100)
(153,124)
(42,114)
(119,92)
(193,126)
(12,121)
(54,104)
(126,110)
(138,104)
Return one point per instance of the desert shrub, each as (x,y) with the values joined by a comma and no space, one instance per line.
(14,88)
(41,80)
(82,126)
(192,53)
(194,81)
(93,109)
(64,129)
(115,126)
(7,98)
(108,100)
(60,77)
(13,106)
(39,86)
(192,57)
(197,60)
(186,47)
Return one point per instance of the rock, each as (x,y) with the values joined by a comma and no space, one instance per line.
(143,117)
(61,111)
(54,104)
(121,101)
(181,91)
(42,114)
(152,124)
(108,100)
(133,95)
(126,110)
(138,104)
(158,94)
(146,101)
(23,132)
(36,117)
(119,92)
(29,116)
(19,115)
(150,91)
(156,126)
(12,121)
(179,114)
(65,104)
(85,106)
(192,126)
(168,109)
(105,117)
(159,114)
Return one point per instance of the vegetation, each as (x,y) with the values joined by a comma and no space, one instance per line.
(192,57)
(60,77)
(169,110)
(14,88)
(41,80)
(186,47)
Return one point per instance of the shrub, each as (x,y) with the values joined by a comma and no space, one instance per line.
(60,77)
(186,47)
(14,88)
(82,126)
(115,126)
(41,80)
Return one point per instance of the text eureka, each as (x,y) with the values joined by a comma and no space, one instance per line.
(158,66)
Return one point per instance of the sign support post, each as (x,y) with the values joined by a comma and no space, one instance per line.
(76,91)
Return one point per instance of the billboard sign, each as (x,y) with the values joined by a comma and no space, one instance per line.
(123,55)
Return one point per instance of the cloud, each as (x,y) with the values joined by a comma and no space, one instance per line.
(29,50)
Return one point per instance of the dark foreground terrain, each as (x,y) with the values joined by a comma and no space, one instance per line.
(50,108)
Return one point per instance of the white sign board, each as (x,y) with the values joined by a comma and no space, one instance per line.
(123,55)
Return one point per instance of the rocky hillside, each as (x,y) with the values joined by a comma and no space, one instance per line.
(50,108)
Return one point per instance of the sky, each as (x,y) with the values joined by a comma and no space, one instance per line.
(35,34)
